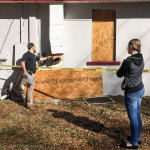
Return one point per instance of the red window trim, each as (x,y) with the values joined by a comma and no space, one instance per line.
(108,63)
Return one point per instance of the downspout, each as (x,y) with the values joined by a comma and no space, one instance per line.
(21,84)
(21,25)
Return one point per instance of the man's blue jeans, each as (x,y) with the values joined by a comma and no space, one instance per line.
(133,104)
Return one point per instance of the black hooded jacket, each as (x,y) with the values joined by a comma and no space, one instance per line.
(131,69)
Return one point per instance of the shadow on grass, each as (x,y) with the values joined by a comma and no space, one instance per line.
(117,132)
(83,122)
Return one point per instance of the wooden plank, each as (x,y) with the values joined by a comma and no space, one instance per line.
(63,84)
(103,35)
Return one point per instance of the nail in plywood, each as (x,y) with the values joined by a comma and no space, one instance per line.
(67,84)
(103,35)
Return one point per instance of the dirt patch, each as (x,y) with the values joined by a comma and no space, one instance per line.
(70,125)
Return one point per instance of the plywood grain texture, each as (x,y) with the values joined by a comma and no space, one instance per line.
(103,35)
(63,84)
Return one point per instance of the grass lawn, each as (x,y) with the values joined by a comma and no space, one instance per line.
(69,125)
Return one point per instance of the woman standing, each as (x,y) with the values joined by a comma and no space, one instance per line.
(131,69)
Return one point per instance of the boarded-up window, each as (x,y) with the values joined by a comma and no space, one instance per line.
(103,35)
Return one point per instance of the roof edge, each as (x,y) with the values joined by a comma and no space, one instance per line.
(73,1)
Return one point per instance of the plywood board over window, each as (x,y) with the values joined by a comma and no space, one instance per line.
(103,35)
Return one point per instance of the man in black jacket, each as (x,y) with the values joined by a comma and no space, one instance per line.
(131,69)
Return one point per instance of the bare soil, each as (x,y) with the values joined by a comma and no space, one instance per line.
(69,125)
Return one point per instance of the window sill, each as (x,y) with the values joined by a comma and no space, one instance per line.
(104,63)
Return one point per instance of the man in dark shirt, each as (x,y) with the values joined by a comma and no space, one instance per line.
(28,64)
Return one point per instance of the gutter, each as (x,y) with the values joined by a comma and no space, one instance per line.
(73,1)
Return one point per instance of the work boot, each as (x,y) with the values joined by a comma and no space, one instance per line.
(31,108)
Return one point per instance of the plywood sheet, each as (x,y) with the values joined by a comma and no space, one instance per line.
(67,84)
(103,35)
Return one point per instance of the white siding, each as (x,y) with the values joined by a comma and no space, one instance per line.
(133,21)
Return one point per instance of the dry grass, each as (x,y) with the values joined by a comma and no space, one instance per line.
(71,124)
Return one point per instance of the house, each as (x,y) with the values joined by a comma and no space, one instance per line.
(82,31)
